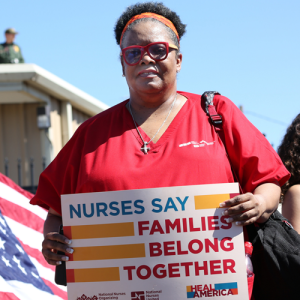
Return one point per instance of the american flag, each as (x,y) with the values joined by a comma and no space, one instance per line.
(24,273)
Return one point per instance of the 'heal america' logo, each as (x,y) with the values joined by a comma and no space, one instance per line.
(219,289)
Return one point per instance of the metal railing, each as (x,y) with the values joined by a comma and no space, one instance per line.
(31,188)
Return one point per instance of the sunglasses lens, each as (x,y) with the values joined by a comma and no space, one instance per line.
(132,55)
(158,51)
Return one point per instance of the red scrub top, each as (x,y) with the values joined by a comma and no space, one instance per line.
(104,154)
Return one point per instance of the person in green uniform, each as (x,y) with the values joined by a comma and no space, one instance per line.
(10,53)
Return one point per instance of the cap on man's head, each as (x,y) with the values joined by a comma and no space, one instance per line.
(11,30)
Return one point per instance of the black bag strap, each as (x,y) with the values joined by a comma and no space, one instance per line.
(210,109)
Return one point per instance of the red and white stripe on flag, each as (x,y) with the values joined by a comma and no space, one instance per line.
(25,222)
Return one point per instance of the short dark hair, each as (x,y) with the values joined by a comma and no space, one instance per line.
(289,152)
(154,7)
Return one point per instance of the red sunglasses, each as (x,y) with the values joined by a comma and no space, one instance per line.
(157,51)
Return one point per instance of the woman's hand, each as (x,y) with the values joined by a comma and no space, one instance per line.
(53,243)
(248,208)
(244,209)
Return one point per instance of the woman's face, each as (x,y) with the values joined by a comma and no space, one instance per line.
(150,76)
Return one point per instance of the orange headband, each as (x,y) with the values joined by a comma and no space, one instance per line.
(153,16)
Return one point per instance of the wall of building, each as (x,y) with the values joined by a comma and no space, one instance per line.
(55,132)
(20,137)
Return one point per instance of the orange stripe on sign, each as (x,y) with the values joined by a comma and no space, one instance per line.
(94,274)
(108,252)
(210,201)
(101,230)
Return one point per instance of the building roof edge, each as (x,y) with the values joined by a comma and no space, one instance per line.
(44,80)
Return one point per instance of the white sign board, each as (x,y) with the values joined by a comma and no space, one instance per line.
(154,244)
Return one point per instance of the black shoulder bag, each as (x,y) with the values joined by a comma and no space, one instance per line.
(276,245)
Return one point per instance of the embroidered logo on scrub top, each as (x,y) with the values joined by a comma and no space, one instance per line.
(197,144)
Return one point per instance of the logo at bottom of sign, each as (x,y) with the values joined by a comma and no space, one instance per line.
(84,297)
(138,295)
(209,290)
(145,295)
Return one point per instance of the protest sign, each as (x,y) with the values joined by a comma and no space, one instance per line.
(154,244)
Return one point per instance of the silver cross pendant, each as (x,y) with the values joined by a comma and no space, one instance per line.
(145,148)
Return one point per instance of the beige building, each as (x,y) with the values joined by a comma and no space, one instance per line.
(39,112)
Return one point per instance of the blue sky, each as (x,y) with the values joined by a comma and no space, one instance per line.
(246,50)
